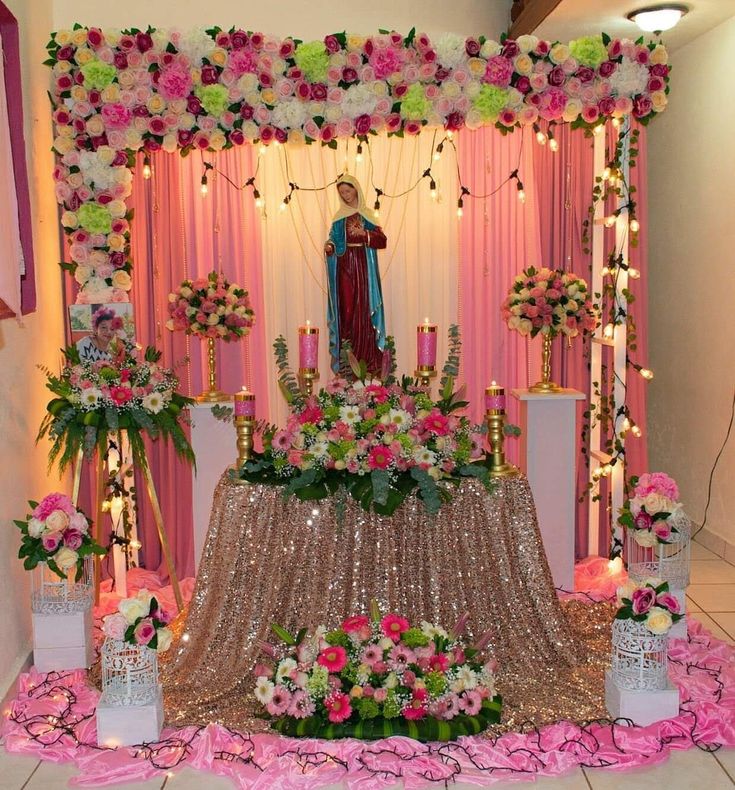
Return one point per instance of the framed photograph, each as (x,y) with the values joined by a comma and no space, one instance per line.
(97,328)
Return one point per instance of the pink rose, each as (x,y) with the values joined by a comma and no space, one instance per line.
(115,626)
(498,71)
(144,631)
(51,541)
(668,601)
(643,599)
(72,538)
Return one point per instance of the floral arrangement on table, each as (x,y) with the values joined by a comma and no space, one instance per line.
(550,302)
(95,399)
(211,307)
(377,439)
(115,93)
(57,533)
(140,621)
(376,677)
(650,603)
(650,514)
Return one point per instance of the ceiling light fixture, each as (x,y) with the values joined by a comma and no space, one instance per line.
(655,19)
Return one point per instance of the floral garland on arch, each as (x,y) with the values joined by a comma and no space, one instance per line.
(115,93)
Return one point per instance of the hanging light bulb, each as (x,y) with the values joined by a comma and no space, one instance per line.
(432,189)
(204,188)
(635,226)
(438,152)
(634,273)
(626,425)
(597,473)
(606,173)
(450,135)
(146,168)
(646,373)
(262,149)
(358,155)
(636,431)
(540,137)
(610,221)
(460,212)
(521,193)
(599,129)
(609,331)
(616,122)
(258,198)
(605,271)
(553,144)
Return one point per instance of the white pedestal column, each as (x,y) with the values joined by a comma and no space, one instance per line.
(213,442)
(548,458)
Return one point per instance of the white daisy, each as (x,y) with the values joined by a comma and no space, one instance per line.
(153,402)
(90,397)
(285,668)
(263,690)
(349,414)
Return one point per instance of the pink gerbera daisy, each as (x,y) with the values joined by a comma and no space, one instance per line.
(471,702)
(400,657)
(371,655)
(301,706)
(334,658)
(393,626)
(281,441)
(439,662)
(280,701)
(338,707)
(417,708)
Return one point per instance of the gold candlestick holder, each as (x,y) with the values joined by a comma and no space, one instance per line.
(308,376)
(244,428)
(499,467)
(546,386)
(212,395)
(425,373)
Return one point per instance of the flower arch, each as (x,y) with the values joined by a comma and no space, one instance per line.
(116,93)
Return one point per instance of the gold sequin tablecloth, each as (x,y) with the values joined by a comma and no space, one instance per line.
(297,563)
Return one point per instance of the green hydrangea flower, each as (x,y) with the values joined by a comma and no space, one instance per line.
(318,682)
(423,401)
(98,75)
(588,51)
(436,683)
(382,408)
(280,462)
(312,58)
(95,218)
(214,98)
(405,441)
(331,413)
(310,429)
(350,673)
(414,637)
(490,101)
(367,708)
(415,106)
(391,706)
(337,637)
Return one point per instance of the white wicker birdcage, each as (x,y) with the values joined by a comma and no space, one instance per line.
(129,673)
(639,657)
(50,594)
(666,561)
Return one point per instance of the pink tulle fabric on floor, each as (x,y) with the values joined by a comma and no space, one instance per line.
(52,718)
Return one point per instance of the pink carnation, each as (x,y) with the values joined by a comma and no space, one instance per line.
(116,116)
(174,82)
(53,502)
(498,71)
(657,483)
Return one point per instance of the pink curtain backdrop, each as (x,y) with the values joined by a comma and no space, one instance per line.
(177,234)
(499,237)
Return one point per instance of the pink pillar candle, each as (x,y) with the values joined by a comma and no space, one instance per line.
(245,404)
(495,399)
(426,345)
(308,347)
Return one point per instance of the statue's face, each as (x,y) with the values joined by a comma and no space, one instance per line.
(348,193)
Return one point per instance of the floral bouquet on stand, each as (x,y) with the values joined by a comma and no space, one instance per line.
(215,309)
(651,515)
(549,302)
(97,399)
(376,677)
(57,533)
(649,603)
(140,621)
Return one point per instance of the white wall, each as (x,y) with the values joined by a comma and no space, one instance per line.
(692,280)
(305,20)
(22,395)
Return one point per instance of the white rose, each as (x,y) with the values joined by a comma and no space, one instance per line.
(66,558)
(645,538)
(659,620)
(133,608)
(659,100)
(625,591)
(659,55)
(391,681)
(121,279)
(35,528)
(656,503)
(490,48)
(165,637)
(572,110)
(527,43)
(559,53)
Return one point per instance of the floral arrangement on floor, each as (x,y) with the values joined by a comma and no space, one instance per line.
(375,677)
(211,307)
(95,399)
(650,603)
(550,302)
(114,93)
(140,621)
(651,513)
(57,533)
(378,439)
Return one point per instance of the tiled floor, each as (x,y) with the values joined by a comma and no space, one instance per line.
(711,599)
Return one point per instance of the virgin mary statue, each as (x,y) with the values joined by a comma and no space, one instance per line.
(355,303)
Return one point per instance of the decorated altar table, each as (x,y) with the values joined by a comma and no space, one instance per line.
(309,563)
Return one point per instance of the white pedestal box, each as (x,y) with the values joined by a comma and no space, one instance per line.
(642,707)
(128,725)
(62,641)
(214,445)
(548,459)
